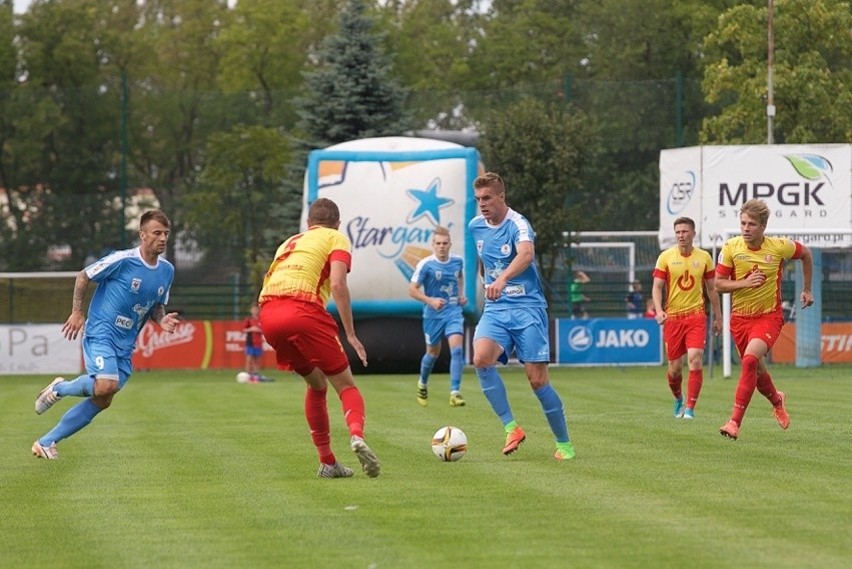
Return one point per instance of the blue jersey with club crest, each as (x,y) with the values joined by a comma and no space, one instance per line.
(496,246)
(128,289)
(440,280)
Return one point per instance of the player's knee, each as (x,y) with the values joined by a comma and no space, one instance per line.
(483,361)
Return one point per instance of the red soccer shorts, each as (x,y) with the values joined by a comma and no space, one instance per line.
(304,336)
(684,332)
(765,327)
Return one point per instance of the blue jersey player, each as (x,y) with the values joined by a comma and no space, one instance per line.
(132,286)
(515,315)
(438,282)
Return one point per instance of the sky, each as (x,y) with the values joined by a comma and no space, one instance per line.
(20,6)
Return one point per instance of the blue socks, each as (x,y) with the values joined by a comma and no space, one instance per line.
(456,366)
(495,391)
(83,386)
(426,365)
(552,406)
(72,421)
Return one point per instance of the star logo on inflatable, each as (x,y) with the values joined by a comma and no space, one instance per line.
(429,203)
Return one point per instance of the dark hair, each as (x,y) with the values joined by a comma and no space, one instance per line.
(323,212)
(156,215)
(684,221)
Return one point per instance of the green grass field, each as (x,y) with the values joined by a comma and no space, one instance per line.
(195,470)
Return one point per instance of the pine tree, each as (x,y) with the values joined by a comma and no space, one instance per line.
(353,95)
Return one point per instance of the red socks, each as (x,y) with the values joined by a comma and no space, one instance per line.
(745,388)
(316,413)
(696,379)
(675,383)
(353,410)
(767,388)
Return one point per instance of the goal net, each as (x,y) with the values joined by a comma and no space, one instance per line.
(36,298)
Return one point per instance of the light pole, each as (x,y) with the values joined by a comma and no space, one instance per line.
(770,96)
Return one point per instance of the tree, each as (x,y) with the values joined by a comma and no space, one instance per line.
(238,204)
(812,73)
(544,154)
(352,94)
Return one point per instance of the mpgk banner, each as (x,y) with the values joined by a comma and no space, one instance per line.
(808,189)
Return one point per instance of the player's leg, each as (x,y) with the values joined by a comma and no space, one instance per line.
(532,345)
(771,330)
(454,332)
(109,373)
(318,338)
(752,349)
(675,350)
(432,333)
(696,335)
(490,338)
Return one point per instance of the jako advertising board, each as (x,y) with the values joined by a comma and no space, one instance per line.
(609,341)
(392,192)
(807,187)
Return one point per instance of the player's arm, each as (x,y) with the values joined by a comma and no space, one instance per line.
(657,294)
(416,292)
(343,300)
(807,259)
(166,321)
(715,305)
(523,259)
(462,297)
(75,321)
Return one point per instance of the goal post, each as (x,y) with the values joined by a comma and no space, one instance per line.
(40,297)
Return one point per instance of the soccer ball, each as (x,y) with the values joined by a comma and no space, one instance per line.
(243,377)
(449,444)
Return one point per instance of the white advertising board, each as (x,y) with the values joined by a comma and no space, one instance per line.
(37,349)
(808,189)
(392,192)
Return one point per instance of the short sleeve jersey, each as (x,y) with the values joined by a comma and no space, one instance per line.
(302,265)
(684,275)
(440,280)
(496,246)
(253,339)
(737,261)
(128,290)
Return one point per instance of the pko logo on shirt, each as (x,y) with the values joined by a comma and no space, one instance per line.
(124,322)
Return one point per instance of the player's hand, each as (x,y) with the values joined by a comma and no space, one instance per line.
(755,279)
(494,290)
(717,326)
(462,300)
(73,325)
(169,322)
(358,347)
(661,316)
(807,298)
(437,303)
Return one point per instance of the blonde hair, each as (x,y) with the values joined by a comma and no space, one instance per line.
(756,209)
(488,180)
(441,230)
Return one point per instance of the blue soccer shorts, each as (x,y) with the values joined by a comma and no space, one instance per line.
(434,329)
(523,328)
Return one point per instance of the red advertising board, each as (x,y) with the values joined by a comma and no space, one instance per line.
(836,343)
(195,344)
